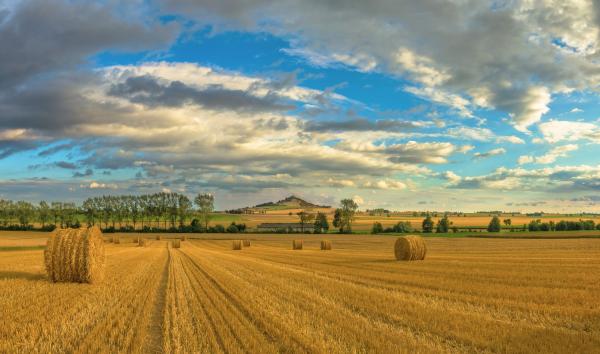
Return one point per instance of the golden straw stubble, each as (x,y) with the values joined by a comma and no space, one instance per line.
(236,245)
(410,248)
(75,255)
(297,244)
(326,245)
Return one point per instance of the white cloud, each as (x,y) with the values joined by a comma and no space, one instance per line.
(96,185)
(510,139)
(358,199)
(530,110)
(551,156)
(556,131)
(493,152)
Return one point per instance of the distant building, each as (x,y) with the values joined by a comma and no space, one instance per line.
(283,227)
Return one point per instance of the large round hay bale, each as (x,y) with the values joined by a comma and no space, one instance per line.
(75,255)
(297,244)
(326,245)
(176,243)
(116,239)
(246,243)
(410,248)
(236,245)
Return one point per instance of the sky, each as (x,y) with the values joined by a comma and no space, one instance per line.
(406,105)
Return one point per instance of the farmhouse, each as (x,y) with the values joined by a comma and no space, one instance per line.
(285,227)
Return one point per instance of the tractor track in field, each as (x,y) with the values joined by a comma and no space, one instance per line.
(154,330)
(237,304)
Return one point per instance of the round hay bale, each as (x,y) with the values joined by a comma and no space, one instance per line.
(158,237)
(410,248)
(297,244)
(236,245)
(75,255)
(184,238)
(176,243)
(142,242)
(116,240)
(246,243)
(326,245)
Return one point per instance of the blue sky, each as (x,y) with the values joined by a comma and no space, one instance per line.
(409,106)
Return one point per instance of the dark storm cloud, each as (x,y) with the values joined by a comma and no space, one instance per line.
(360,125)
(40,36)
(149,91)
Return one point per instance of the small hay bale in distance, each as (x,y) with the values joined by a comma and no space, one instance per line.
(326,245)
(410,248)
(158,237)
(236,245)
(142,242)
(176,243)
(246,243)
(184,238)
(297,244)
(116,240)
(75,255)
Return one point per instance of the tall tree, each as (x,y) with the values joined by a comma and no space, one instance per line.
(347,211)
(206,205)
(184,208)
(494,225)
(427,224)
(443,225)
(304,218)
(321,224)
(44,212)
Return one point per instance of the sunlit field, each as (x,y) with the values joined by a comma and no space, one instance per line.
(469,295)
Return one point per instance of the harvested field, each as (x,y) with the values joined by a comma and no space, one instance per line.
(469,295)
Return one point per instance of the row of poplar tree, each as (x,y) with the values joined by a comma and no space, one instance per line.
(158,210)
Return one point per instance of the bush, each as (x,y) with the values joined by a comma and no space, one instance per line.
(377,228)
(232,229)
(494,225)
(217,229)
(427,225)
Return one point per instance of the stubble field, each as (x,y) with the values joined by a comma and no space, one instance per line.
(469,295)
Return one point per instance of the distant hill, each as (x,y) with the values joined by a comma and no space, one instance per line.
(291,202)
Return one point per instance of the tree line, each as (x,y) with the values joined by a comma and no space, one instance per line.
(166,211)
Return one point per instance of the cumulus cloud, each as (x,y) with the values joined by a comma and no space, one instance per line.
(564,179)
(555,131)
(149,91)
(550,157)
(493,152)
(362,124)
(481,134)
(513,56)
(37,36)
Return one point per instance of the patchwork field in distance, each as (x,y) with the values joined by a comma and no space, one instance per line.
(469,295)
